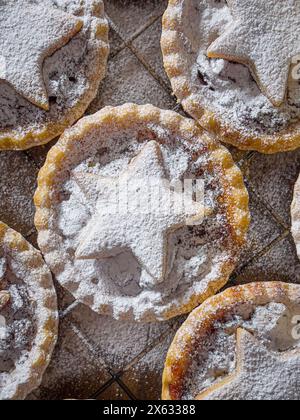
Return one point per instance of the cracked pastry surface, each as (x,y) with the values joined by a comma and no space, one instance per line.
(139,263)
(28,316)
(225,75)
(48,80)
(243,344)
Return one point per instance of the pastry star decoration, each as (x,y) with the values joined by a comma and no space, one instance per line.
(4,296)
(265,36)
(260,374)
(30,32)
(4,299)
(145,233)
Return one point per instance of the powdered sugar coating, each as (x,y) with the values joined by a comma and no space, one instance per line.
(229,88)
(18,330)
(206,350)
(197,256)
(261,374)
(71,76)
(28,327)
(139,222)
(225,90)
(255,39)
(30,32)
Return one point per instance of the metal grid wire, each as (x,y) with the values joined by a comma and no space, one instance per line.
(79,368)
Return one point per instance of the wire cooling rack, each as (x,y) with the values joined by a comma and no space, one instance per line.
(97,357)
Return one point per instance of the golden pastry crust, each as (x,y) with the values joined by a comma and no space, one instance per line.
(201,322)
(295,212)
(235,198)
(13,140)
(14,245)
(173,48)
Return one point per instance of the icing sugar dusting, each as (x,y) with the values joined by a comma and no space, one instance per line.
(28,323)
(20,323)
(42,30)
(17,186)
(228,88)
(67,74)
(253,29)
(215,356)
(261,374)
(296,216)
(145,218)
(120,285)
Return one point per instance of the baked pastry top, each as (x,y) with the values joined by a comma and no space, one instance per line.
(110,219)
(234,66)
(243,344)
(28,316)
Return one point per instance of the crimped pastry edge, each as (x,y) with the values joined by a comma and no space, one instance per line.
(51,130)
(201,320)
(295,214)
(237,198)
(172,49)
(47,325)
